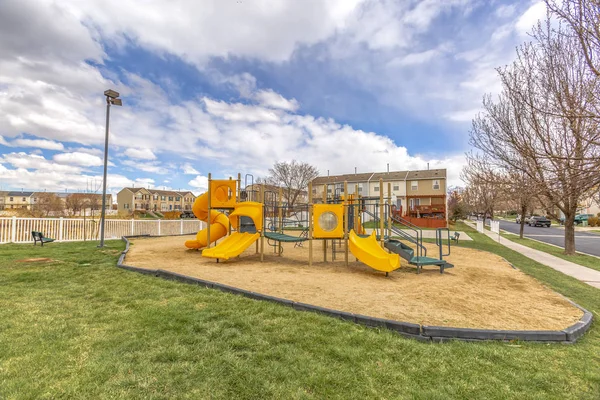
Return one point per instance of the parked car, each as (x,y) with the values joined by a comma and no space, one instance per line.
(187,214)
(579,219)
(539,221)
(518,220)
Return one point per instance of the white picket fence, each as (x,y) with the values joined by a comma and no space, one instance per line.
(18,230)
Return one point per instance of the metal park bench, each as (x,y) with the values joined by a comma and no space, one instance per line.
(39,237)
(455,237)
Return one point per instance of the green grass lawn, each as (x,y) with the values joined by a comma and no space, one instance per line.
(581,259)
(78,327)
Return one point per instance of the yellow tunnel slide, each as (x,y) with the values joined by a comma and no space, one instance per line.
(368,251)
(219,224)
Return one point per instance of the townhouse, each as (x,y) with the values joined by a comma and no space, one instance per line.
(142,199)
(416,194)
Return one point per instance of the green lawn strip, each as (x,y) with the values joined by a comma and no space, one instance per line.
(581,259)
(77,327)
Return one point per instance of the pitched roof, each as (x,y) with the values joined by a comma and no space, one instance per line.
(427,174)
(19,194)
(386,176)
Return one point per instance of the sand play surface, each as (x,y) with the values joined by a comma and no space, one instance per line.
(481,291)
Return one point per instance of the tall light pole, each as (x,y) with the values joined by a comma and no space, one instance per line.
(112,98)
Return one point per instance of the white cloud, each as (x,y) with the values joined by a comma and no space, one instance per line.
(153,167)
(529,18)
(270,99)
(189,170)
(140,154)
(81,159)
(199,182)
(263,29)
(37,143)
(34,172)
(506,10)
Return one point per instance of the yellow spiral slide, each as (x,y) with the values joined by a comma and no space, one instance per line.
(219,224)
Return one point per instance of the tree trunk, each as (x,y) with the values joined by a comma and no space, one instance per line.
(523,213)
(570,234)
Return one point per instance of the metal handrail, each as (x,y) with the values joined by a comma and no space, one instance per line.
(440,242)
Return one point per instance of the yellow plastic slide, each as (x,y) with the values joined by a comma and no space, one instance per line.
(368,251)
(219,224)
(232,246)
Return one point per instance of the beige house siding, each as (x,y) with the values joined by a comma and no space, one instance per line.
(425,187)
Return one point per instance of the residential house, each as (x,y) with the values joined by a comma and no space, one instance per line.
(415,194)
(139,199)
(16,199)
(426,193)
(131,199)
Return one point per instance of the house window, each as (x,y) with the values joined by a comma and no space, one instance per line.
(436,185)
(126,206)
(22,198)
(414,185)
(376,189)
(163,197)
(11,199)
(170,207)
(360,188)
(35,199)
(155,197)
(396,187)
(170,198)
(328,190)
(177,198)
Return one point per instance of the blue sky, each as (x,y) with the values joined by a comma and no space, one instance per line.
(227,86)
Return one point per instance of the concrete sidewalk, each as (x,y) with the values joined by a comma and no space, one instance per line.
(584,274)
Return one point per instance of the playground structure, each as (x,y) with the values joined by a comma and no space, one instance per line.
(253,216)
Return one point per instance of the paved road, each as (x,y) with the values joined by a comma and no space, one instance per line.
(584,242)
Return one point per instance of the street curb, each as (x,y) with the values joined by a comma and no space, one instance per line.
(424,333)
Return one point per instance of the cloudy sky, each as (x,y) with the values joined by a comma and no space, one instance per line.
(227,86)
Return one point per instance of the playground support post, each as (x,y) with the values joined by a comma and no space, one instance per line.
(381,212)
(239,187)
(356,202)
(389,213)
(346,205)
(310,225)
(262,232)
(280,203)
(232,194)
(208,221)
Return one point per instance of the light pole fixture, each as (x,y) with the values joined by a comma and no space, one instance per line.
(112,98)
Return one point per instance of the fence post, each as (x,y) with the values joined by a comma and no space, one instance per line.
(132,226)
(181,227)
(13,233)
(60,229)
(158,227)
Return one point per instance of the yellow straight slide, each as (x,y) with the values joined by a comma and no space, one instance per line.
(368,251)
(232,246)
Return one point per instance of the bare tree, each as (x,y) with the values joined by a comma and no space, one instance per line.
(457,207)
(583,16)
(484,185)
(520,191)
(536,129)
(48,204)
(294,177)
(75,202)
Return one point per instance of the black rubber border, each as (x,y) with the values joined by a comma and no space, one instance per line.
(426,333)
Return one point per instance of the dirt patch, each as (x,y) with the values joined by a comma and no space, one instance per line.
(481,291)
(27,260)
